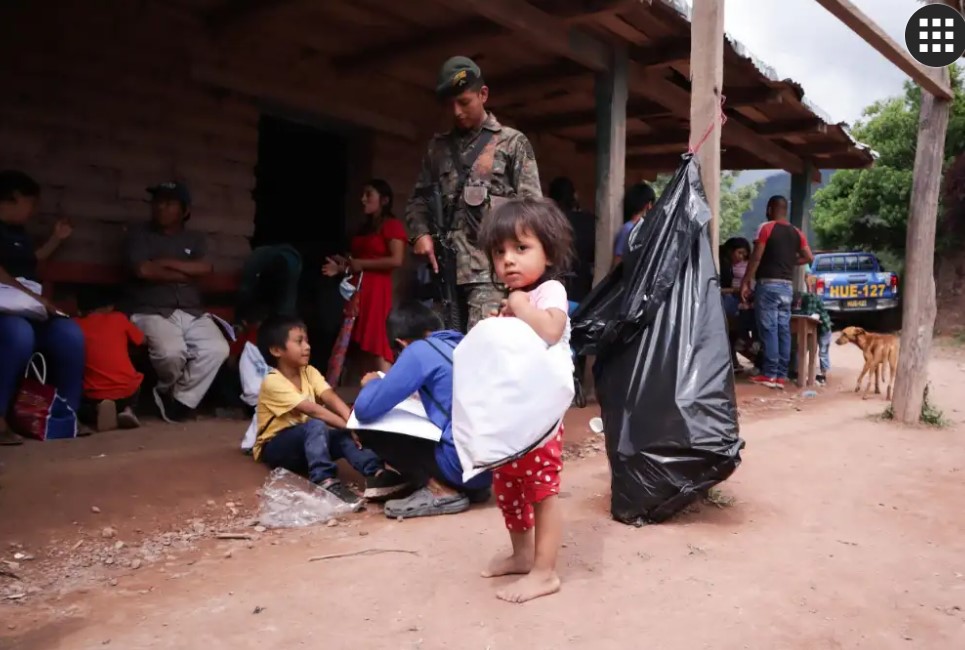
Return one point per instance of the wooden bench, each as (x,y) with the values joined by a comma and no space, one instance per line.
(804,330)
(218,289)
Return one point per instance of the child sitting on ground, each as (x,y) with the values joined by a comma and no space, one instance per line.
(301,421)
(111,384)
(423,365)
(529,243)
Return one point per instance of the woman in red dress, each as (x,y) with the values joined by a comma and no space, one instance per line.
(376,251)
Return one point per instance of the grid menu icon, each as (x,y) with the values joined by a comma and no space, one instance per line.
(935,35)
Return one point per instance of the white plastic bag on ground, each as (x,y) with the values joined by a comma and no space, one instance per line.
(510,391)
(289,501)
(252,368)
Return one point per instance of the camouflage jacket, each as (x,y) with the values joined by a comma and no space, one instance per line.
(506,167)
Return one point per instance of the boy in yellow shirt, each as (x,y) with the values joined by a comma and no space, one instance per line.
(301,420)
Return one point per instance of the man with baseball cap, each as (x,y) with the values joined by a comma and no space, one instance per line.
(474,167)
(186,346)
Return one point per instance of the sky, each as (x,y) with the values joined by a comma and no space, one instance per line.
(799,39)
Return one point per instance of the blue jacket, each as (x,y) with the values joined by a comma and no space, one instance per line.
(421,368)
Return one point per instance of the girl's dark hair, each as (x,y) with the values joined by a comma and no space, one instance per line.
(13,182)
(540,217)
(771,202)
(273,333)
(563,192)
(735,243)
(384,190)
(410,321)
(636,199)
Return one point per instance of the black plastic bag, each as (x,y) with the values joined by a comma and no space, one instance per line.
(663,370)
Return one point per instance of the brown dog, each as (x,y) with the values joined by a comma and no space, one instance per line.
(880,353)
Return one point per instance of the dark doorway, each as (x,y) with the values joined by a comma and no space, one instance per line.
(300,191)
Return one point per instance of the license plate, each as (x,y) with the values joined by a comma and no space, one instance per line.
(856,291)
(855,304)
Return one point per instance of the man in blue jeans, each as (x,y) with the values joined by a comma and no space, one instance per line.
(779,247)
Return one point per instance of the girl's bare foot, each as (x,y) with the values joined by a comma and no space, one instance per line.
(507,566)
(534,585)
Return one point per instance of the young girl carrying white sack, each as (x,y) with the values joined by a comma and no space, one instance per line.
(529,243)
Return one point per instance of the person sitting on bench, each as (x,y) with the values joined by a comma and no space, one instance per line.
(186,347)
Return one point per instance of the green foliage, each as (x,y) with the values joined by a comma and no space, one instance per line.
(733,202)
(868,208)
(930,414)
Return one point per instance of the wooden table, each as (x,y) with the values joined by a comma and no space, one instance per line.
(805,331)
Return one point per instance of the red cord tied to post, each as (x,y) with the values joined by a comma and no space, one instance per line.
(721,119)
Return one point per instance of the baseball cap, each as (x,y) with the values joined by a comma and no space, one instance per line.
(457,74)
(171,190)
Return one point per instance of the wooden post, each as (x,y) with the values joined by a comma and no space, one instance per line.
(611,147)
(801,195)
(918,290)
(707,79)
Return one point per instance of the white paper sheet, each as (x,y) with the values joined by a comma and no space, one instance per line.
(408,418)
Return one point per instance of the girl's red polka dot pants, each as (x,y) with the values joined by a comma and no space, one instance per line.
(528,480)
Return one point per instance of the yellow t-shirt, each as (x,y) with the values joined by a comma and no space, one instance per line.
(279,397)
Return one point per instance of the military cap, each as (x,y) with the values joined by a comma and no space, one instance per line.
(457,74)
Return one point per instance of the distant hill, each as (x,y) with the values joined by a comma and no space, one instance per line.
(776,183)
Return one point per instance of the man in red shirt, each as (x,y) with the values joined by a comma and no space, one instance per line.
(111,384)
(779,247)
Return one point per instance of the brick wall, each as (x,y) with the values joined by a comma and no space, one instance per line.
(97,105)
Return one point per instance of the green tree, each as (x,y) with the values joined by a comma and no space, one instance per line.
(734,202)
(868,208)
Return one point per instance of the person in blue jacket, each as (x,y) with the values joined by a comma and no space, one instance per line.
(424,365)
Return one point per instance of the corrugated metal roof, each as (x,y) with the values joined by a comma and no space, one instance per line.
(685,10)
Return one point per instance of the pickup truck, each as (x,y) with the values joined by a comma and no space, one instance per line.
(854,284)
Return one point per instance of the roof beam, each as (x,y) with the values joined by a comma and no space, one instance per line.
(232,14)
(734,134)
(574,119)
(536,82)
(823,148)
(451,37)
(751,96)
(641,142)
(859,23)
(666,52)
(791,128)
(586,9)
(732,159)
(545,31)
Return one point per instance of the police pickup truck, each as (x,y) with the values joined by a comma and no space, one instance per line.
(854,284)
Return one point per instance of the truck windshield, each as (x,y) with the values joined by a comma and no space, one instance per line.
(845,263)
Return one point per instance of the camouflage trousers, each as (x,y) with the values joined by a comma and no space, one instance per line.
(476,302)
(479,301)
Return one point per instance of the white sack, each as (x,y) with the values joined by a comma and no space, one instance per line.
(510,392)
(252,368)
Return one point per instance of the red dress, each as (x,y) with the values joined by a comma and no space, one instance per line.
(375,293)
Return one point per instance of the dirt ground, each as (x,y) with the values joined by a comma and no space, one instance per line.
(844,532)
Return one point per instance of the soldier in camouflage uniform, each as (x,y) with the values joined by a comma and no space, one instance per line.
(505,168)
